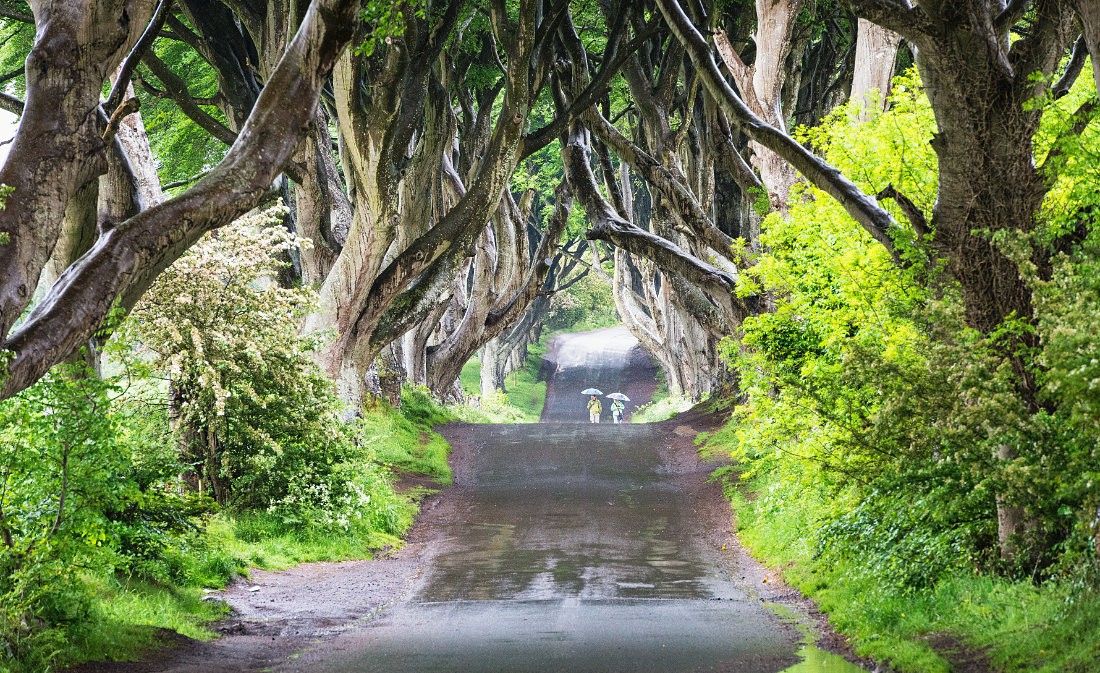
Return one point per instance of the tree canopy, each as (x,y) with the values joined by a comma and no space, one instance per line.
(869,223)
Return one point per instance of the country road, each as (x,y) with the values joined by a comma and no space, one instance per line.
(574,547)
(561,547)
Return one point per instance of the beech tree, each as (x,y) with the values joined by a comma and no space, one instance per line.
(67,133)
(981,83)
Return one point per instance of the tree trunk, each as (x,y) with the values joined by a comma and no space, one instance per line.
(876,52)
(126,258)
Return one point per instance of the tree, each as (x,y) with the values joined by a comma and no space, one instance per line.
(65,132)
(981,84)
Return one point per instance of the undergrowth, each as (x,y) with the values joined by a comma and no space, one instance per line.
(152,563)
(1017,625)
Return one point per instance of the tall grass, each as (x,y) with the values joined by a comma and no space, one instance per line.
(1018,626)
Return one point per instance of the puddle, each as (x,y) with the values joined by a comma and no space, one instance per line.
(814,659)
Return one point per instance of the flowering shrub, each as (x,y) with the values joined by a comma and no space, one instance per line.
(258,424)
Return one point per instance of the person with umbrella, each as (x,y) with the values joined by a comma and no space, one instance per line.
(595,408)
(617,406)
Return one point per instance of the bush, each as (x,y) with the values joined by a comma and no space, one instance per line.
(63,471)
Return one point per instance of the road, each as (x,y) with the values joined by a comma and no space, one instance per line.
(572,547)
(562,547)
(608,360)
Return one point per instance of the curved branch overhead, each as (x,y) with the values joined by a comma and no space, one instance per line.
(410,183)
(862,207)
(127,258)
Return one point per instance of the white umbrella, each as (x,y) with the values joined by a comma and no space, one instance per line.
(591,391)
(619,396)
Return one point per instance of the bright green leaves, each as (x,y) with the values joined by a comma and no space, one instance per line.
(386,20)
(869,400)
(63,474)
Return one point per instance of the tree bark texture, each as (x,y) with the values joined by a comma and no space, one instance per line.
(876,52)
(126,258)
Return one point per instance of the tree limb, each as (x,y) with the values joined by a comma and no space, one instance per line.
(176,88)
(1073,69)
(122,80)
(863,208)
(11,104)
(126,259)
(606,225)
(9,9)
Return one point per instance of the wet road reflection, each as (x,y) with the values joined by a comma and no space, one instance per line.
(569,547)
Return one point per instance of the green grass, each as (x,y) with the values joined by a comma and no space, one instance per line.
(523,401)
(261,541)
(662,409)
(1017,625)
(128,612)
(128,616)
(404,440)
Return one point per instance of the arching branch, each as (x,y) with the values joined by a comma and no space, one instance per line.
(126,259)
(862,207)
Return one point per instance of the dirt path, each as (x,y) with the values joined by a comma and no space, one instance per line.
(566,547)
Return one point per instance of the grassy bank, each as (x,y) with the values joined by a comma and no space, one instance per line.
(522,402)
(960,618)
(127,614)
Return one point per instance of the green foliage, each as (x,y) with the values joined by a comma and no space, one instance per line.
(385,21)
(586,305)
(1019,626)
(259,422)
(662,409)
(878,433)
(102,534)
(522,402)
(62,470)
(16,40)
(184,149)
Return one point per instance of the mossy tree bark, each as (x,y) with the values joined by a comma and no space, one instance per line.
(62,132)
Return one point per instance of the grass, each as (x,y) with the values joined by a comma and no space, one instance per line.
(661,409)
(521,403)
(404,440)
(1016,625)
(126,608)
(128,616)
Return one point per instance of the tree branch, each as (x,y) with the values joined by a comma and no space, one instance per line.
(1073,69)
(1011,14)
(11,104)
(863,208)
(126,259)
(176,88)
(898,15)
(912,212)
(122,80)
(9,9)
(606,225)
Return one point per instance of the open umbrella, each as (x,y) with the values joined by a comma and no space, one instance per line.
(619,396)
(591,391)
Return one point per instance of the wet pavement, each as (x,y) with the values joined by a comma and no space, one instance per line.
(569,547)
(609,360)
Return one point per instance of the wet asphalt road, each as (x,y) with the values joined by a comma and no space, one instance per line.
(570,548)
(608,360)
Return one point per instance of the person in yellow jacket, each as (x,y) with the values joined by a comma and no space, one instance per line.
(594,409)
